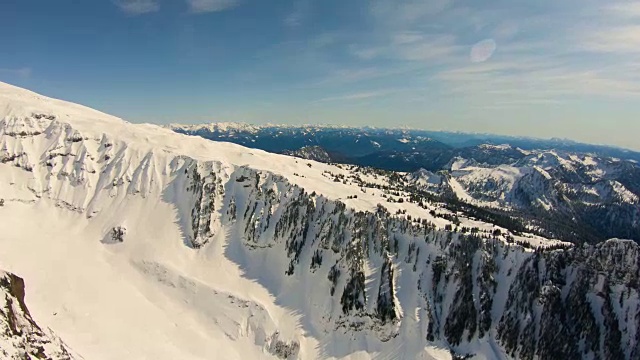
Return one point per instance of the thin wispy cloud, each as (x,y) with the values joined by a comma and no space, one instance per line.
(24,72)
(345,76)
(513,52)
(355,96)
(366,53)
(542,82)
(437,47)
(301,10)
(351,76)
(609,28)
(508,104)
(137,7)
(625,9)
(206,6)
(400,13)
(411,46)
(624,39)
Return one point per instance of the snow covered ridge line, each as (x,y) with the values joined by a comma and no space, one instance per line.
(359,280)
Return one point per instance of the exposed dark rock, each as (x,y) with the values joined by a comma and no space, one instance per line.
(21,337)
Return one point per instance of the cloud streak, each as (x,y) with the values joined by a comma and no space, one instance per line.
(24,72)
(624,39)
(399,13)
(355,96)
(207,6)
(137,7)
(301,10)
(554,52)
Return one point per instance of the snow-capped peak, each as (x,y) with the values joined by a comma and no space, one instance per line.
(495,147)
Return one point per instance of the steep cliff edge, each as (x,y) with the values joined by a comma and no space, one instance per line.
(20,336)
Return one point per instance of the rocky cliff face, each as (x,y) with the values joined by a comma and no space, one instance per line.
(575,302)
(20,336)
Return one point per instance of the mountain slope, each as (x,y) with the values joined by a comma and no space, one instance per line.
(142,243)
(124,207)
(315,153)
(585,192)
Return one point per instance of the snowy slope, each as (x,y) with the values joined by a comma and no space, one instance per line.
(140,243)
(71,175)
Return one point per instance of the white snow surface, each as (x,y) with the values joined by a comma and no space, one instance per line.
(69,174)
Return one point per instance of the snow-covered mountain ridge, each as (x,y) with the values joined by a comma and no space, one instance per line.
(141,243)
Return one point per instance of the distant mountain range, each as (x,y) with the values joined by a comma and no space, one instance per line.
(564,189)
(390,149)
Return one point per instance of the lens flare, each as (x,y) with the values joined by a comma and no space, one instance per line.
(483,50)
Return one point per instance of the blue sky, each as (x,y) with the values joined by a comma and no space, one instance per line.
(543,68)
